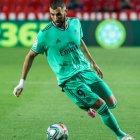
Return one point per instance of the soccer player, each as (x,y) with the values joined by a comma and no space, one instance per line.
(61,41)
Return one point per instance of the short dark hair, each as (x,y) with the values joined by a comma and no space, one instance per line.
(57,3)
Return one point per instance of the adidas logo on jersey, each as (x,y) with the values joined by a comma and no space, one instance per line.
(76,32)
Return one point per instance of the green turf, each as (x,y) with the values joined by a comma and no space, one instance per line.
(42,103)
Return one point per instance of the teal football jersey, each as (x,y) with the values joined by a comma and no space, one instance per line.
(62,49)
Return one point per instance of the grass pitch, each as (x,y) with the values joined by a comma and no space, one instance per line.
(42,102)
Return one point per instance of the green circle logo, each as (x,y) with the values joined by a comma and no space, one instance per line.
(110,34)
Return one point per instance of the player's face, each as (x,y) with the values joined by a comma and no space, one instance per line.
(58,16)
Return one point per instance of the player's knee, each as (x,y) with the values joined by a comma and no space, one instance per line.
(113,105)
(111,102)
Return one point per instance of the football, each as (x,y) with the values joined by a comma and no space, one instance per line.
(57,131)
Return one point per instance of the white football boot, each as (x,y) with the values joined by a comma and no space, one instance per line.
(127,137)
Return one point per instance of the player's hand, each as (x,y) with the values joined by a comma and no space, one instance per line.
(97,69)
(18,89)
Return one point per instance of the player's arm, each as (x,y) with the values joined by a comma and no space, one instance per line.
(90,58)
(28,63)
(26,67)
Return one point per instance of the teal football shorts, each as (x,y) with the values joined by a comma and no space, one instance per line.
(85,88)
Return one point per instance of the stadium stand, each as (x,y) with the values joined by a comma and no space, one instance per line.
(87,9)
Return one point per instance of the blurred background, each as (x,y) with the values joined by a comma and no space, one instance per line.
(20,20)
(112,33)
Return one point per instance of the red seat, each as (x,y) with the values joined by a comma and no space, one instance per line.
(43,5)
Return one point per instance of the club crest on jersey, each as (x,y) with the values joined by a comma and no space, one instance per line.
(58,41)
(35,42)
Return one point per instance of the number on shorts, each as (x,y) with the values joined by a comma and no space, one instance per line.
(81,93)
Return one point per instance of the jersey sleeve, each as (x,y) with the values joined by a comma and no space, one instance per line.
(38,45)
(81,31)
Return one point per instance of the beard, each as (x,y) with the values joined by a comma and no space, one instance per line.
(60,23)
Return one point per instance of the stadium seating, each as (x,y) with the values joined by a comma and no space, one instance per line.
(24,7)
(42,5)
